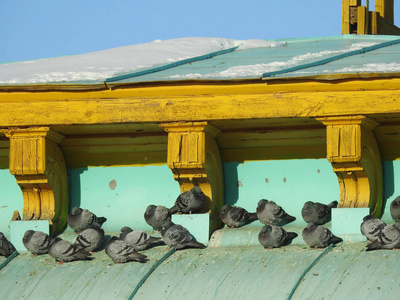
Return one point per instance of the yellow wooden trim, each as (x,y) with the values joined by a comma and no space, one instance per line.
(38,165)
(194,158)
(362,17)
(385,9)
(354,153)
(203,107)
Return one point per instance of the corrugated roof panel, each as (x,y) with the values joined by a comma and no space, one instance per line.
(253,63)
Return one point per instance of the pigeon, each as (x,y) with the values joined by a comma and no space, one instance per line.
(138,239)
(37,242)
(395,209)
(121,252)
(64,251)
(371,227)
(90,239)
(178,237)
(317,236)
(318,213)
(272,236)
(80,219)
(6,248)
(389,238)
(269,213)
(189,201)
(234,216)
(156,216)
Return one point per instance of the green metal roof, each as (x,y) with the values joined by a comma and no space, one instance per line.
(236,272)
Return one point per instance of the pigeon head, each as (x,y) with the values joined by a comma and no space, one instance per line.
(126,229)
(76,210)
(396,202)
(150,208)
(196,190)
(368,217)
(266,229)
(28,234)
(308,205)
(261,204)
(311,226)
(225,209)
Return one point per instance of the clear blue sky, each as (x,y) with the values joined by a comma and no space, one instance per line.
(32,29)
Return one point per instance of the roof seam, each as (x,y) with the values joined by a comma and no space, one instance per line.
(331,59)
(171,65)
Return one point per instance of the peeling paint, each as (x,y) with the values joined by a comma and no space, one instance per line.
(284,180)
(239,183)
(113,184)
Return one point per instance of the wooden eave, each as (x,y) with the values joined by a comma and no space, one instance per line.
(258,119)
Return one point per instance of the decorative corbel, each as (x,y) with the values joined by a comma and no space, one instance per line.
(39,167)
(354,154)
(194,159)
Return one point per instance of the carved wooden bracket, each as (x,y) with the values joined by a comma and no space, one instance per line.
(39,167)
(194,158)
(354,154)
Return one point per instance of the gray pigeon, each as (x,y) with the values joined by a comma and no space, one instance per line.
(178,237)
(6,248)
(395,209)
(189,201)
(64,251)
(234,216)
(269,213)
(37,242)
(138,239)
(317,236)
(156,216)
(272,236)
(121,252)
(371,227)
(90,239)
(318,213)
(80,219)
(388,238)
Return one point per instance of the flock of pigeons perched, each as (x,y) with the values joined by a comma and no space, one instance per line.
(125,247)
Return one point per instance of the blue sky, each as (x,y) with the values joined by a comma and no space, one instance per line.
(42,29)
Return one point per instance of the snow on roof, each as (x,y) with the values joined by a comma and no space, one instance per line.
(100,65)
(189,58)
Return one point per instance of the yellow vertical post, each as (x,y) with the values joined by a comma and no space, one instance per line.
(386,9)
(349,15)
(362,19)
(38,165)
(354,154)
(194,159)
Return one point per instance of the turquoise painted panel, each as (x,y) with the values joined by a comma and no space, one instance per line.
(10,200)
(290,183)
(391,177)
(122,194)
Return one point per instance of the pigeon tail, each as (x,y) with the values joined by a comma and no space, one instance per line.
(174,209)
(290,237)
(101,220)
(333,204)
(252,217)
(335,240)
(195,244)
(286,220)
(375,245)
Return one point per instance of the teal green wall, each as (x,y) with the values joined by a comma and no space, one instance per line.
(10,200)
(290,183)
(123,193)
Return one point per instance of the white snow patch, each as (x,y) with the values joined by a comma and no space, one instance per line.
(117,61)
(256,70)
